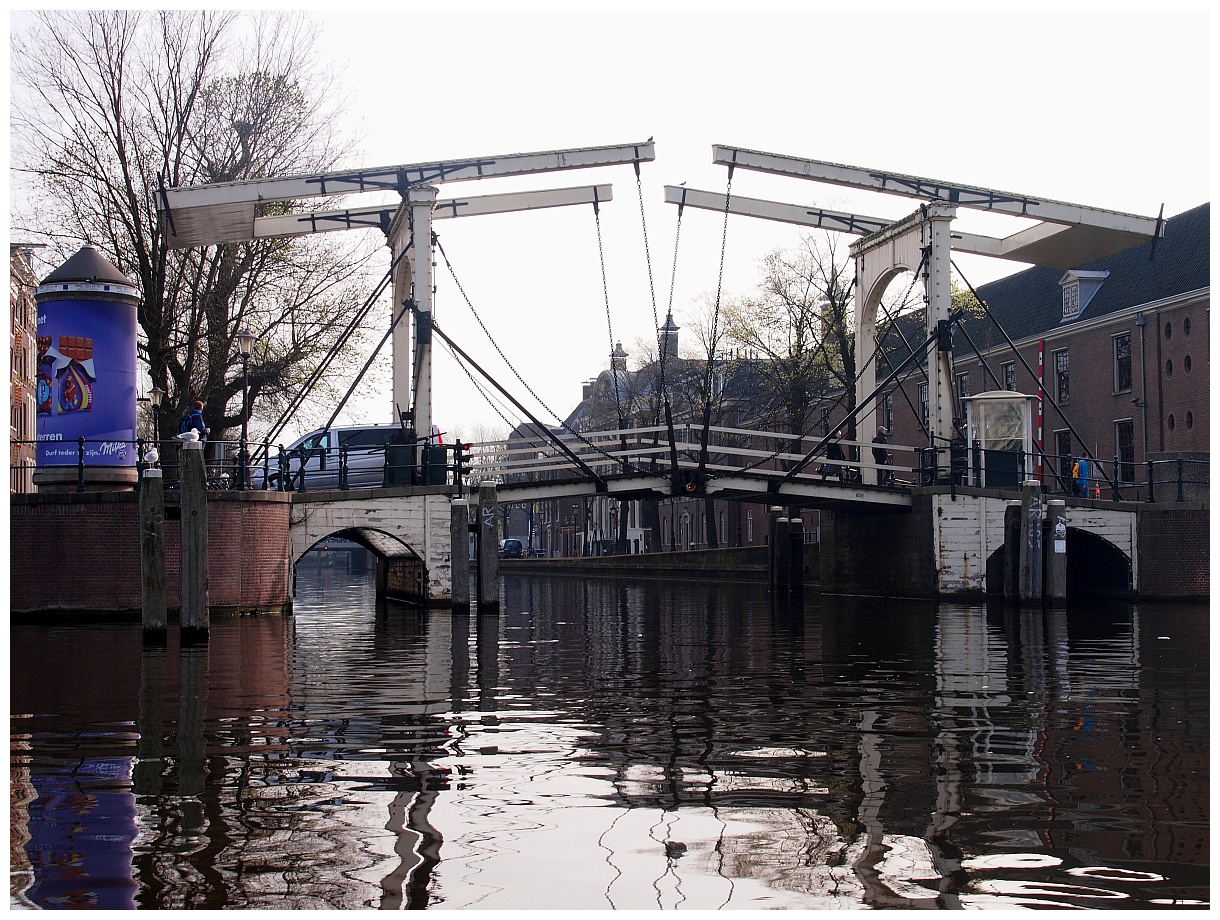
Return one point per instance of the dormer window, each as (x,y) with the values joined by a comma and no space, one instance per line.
(1071,300)
(1079,287)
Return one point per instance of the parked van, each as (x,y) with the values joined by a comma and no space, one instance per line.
(511,548)
(320,452)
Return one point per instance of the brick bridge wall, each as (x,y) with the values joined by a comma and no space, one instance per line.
(81,552)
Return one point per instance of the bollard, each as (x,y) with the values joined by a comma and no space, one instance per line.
(1031,541)
(796,557)
(193,618)
(459,554)
(488,580)
(1056,556)
(152,551)
(780,551)
(773,514)
(1012,549)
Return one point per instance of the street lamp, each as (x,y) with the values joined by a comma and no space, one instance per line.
(155,395)
(245,341)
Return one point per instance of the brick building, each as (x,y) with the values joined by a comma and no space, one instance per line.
(23,367)
(1123,344)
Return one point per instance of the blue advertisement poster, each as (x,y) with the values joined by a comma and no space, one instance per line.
(86,382)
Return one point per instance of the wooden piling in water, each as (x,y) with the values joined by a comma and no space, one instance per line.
(1031,541)
(1056,556)
(488,580)
(152,553)
(194,597)
(459,554)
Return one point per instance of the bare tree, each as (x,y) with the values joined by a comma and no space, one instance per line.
(111,106)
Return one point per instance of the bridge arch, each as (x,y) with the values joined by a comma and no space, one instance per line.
(1095,567)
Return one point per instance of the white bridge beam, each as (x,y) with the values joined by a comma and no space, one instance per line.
(382,217)
(204,215)
(1086,233)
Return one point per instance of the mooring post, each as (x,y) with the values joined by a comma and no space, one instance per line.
(1031,541)
(1056,557)
(489,545)
(1012,549)
(773,514)
(782,553)
(152,552)
(459,553)
(194,602)
(796,556)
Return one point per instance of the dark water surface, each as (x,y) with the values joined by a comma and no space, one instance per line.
(606,744)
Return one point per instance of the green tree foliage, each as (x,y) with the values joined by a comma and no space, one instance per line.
(109,107)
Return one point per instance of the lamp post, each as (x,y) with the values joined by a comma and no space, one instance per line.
(155,395)
(245,341)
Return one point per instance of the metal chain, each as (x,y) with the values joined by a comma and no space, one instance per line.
(601,255)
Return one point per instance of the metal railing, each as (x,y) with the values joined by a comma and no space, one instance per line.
(228,466)
(734,450)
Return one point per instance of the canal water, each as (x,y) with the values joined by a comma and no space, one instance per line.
(608,744)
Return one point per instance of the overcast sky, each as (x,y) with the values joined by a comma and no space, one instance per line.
(1110,110)
(1106,109)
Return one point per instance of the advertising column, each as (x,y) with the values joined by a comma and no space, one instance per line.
(86,375)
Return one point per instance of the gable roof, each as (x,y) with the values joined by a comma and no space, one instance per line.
(1031,302)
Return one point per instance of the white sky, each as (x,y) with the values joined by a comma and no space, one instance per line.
(1101,108)
(1110,110)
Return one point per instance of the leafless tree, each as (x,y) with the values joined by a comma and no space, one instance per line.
(111,106)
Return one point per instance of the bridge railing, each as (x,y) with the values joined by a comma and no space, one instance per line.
(730,451)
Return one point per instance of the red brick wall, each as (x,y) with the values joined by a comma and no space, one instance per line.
(1174,547)
(82,552)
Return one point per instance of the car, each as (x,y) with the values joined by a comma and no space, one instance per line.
(511,548)
(319,454)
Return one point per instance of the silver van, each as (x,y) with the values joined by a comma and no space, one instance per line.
(319,455)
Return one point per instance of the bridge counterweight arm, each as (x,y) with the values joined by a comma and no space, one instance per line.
(224,212)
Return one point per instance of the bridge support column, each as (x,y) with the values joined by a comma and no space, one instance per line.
(1056,557)
(1031,541)
(152,553)
(488,580)
(194,604)
(459,554)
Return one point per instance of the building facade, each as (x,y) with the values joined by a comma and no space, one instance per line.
(23,367)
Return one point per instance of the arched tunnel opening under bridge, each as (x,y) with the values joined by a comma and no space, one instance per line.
(400,571)
(1095,568)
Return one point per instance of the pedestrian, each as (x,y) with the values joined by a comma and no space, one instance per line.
(834,451)
(1080,477)
(881,456)
(195,421)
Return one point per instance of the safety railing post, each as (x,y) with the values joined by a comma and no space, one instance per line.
(80,464)
(299,485)
(1114,482)
(343,467)
(1151,481)
(266,465)
(1181,474)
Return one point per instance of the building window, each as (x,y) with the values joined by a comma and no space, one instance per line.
(1172,422)
(1071,300)
(1063,456)
(749,526)
(923,401)
(1122,363)
(1186,326)
(1169,368)
(1062,390)
(1190,420)
(1010,376)
(963,390)
(1169,330)
(887,411)
(1187,364)
(1124,444)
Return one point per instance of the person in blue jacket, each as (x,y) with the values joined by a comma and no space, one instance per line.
(1080,477)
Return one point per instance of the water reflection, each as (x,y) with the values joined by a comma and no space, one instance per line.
(615,745)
